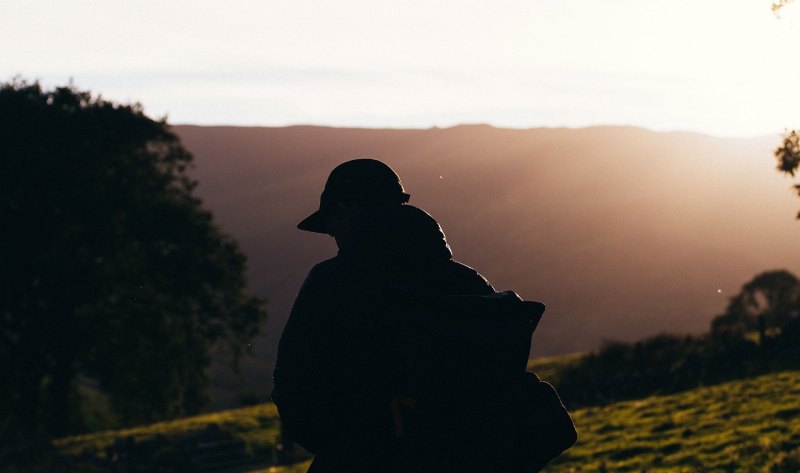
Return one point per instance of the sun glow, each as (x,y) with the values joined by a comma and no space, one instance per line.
(789,14)
(662,65)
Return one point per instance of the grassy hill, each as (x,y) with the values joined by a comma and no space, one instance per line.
(549,368)
(748,425)
(234,437)
(744,425)
(256,425)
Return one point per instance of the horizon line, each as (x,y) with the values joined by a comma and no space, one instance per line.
(777,135)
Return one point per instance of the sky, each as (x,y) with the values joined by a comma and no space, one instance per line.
(722,67)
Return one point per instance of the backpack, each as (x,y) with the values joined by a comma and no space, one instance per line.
(463,399)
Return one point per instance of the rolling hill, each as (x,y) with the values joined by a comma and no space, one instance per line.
(622,232)
(743,425)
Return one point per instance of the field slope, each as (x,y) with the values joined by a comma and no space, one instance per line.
(743,425)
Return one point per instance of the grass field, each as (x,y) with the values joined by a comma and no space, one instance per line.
(745,425)
(257,426)
(550,368)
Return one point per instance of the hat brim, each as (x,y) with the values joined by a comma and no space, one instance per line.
(316,222)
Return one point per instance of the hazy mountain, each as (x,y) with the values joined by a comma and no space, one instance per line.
(622,232)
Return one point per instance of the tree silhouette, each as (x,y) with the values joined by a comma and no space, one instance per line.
(788,155)
(772,297)
(112,273)
(777,5)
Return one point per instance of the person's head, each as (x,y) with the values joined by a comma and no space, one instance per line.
(354,189)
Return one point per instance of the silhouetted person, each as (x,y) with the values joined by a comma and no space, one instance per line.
(333,384)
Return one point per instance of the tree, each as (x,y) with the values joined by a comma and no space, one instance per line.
(788,153)
(772,297)
(112,272)
(776,7)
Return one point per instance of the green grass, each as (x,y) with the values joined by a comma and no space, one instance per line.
(550,368)
(750,425)
(256,425)
(744,425)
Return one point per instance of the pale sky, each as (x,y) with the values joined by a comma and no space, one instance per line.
(723,67)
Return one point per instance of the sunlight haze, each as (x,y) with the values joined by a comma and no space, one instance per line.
(718,67)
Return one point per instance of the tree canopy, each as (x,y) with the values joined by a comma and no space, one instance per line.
(778,4)
(113,273)
(788,155)
(772,296)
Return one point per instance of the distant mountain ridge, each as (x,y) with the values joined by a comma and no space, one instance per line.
(622,232)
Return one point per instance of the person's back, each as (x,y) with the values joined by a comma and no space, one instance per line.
(334,385)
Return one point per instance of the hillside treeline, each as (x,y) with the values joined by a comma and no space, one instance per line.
(759,332)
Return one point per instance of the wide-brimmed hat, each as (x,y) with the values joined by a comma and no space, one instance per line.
(366,180)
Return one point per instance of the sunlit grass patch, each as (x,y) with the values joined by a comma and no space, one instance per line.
(549,368)
(746,424)
(256,425)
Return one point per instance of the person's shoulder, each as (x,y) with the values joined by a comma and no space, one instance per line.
(469,277)
(463,270)
(322,278)
(327,268)
(333,269)
(327,265)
